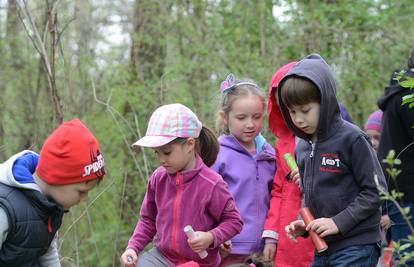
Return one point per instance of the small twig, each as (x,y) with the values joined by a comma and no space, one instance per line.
(144,155)
(394,201)
(27,31)
(114,113)
(75,237)
(121,209)
(92,232)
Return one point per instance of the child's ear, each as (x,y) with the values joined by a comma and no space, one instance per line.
(224,117)
(190,142)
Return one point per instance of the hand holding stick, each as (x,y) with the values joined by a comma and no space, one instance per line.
(290,161)
(318,242)
(188,230)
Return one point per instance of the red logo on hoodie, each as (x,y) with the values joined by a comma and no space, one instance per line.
(330,162)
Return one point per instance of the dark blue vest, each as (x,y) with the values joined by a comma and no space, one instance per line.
(33,222)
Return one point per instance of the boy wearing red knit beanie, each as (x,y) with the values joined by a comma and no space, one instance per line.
(36,190)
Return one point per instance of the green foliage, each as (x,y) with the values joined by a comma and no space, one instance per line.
(177,51)
(401,253)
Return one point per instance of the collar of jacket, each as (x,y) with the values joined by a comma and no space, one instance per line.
(189,174)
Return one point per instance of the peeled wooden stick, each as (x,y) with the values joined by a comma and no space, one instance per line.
(188,230)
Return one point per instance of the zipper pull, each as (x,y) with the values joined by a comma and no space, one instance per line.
(313,149)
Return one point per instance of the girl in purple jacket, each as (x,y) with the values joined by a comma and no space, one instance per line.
(182,191)
(246,162)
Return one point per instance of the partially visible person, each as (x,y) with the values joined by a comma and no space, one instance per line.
(337,167)
(372,128)
(344,112)
(36,190)
(285,198)
(398,135)
(245,161)
(182,191)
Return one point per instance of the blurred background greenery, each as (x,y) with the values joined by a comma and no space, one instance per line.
(111,63)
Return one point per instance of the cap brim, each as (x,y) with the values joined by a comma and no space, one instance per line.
(153,141)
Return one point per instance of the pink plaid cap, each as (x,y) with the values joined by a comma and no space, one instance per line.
(169,122)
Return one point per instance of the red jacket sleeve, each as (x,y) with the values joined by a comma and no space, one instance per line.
(272,219)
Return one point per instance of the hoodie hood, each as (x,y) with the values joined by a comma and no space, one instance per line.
(18,170)
(315,69)
(393,88)
(276,123)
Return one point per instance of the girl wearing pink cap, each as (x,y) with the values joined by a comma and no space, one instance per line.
(182,191)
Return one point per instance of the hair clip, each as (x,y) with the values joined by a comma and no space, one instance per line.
(228,83)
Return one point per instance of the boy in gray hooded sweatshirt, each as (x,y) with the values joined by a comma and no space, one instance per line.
(337,165)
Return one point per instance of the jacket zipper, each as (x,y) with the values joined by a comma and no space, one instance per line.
(176,212)
(313,149)
(311,156)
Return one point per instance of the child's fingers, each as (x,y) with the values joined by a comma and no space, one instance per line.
(196,245)
(226,249)
(129,260)
(290,230)
(323,227)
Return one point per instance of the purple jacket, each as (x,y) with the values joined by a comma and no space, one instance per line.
(250,180)
(199,198)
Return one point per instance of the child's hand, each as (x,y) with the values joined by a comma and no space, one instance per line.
(201,241)
(323,227)
(295,229)
(385,222)
(269,251)
(129,258)
(295,177)
(225,250)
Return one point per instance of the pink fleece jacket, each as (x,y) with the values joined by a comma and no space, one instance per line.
(197,197)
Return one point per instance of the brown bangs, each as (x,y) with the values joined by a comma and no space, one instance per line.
(298,91)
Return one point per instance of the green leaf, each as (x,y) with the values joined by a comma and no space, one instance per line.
(405,211)
(405,246)
(407,84)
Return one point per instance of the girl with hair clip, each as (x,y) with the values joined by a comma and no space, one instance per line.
(245,161)
(182,191)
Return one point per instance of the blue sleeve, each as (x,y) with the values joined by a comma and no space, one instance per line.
(24,167)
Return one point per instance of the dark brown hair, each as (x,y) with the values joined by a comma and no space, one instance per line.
(207,145)
(297,91)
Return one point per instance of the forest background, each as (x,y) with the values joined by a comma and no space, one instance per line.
(111,63)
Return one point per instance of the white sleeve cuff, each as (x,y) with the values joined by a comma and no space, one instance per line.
(270,234)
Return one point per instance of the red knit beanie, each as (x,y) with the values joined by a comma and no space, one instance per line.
(70,155)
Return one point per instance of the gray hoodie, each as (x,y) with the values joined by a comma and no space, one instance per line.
(51,257)
(338,169)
